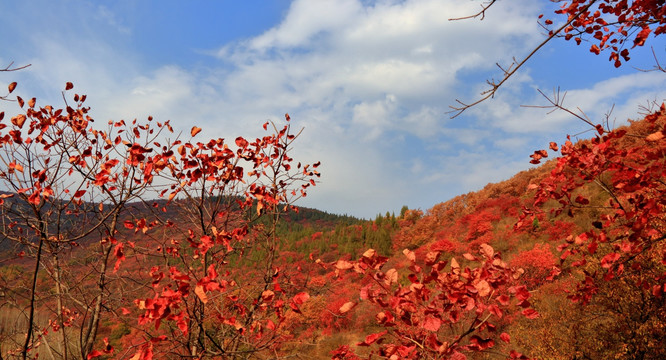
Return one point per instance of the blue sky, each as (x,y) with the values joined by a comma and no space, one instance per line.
(370,81)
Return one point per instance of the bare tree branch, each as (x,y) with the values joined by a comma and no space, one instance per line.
(10,68)
(494,86)
(481,13)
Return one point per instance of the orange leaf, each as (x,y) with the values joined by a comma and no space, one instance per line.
(195,130)
(346,307)
(655,136)
(15,166)
(201,293)
(487,250)
(12,86)
(483,288)
(391,277)
(343,265)
(19,120)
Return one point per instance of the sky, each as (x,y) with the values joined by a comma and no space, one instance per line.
(370,82)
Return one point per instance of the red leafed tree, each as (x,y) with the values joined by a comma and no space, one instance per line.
(537,263)
(66,183)
(201,261)
(443,310)
(232,201)
(619,258)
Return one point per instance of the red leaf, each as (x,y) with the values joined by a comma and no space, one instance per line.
(609,259)
(505,337)
(12,86)
(300,298)
(69,86)
(93,354)
(581,200)
(372,338)
(241,143)
(481,344)
(431,323)
(79,193)
(530,313)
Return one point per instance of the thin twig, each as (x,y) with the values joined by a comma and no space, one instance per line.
(481,13)
(487,94)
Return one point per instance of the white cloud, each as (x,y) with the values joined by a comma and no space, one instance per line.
(305,20)
(371,83)
(622,94)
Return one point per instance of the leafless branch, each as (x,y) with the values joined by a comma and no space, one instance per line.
(557,103)
(657,67)
(515,65)
(481,13)
(10,68)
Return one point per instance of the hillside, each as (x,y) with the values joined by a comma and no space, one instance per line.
(585,231)
(566,260)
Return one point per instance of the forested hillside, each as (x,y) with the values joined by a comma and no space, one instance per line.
(564,260)
(135,239)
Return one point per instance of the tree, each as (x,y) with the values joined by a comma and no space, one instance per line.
(619,259)
(232,202)
(608,24)
(69,183)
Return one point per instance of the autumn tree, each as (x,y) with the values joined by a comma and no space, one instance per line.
(65,184)
(223,294)
(619,259)
(69,183)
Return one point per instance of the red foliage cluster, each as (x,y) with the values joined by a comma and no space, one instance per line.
(438,293)
(537,264)
(611,23)
(629,231)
